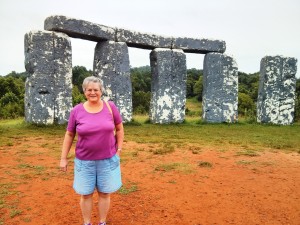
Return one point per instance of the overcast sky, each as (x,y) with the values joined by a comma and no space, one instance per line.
(251,29)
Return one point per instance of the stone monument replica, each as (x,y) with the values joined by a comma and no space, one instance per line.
(48,60)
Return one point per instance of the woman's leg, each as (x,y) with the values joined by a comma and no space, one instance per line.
(103,205)
(86,205)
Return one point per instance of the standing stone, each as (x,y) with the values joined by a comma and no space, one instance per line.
(48,95)
(111,65)
(220,89)
(277,86)
(168,97)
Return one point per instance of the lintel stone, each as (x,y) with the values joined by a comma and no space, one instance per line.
(143,40)
(79,28)
(95,32)
(203,45)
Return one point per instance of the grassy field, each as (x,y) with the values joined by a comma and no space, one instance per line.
(242,135)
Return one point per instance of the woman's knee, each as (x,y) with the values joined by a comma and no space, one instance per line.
(87,196)
(103,195)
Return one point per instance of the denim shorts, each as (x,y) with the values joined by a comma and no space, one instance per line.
(105,175)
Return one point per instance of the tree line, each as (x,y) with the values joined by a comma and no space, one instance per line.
(12,91)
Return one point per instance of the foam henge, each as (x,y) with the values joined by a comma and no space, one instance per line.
(48,60)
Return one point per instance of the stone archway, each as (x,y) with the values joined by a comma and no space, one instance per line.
(48,62)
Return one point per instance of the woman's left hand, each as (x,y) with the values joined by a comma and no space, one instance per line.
(64,164)
(119,152)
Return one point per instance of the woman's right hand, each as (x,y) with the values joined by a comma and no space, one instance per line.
(63,164)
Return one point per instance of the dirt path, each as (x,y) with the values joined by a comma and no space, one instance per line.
(228,188)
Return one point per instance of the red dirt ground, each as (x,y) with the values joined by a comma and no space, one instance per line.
(237,189)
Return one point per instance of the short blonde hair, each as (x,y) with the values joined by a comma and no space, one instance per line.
(93,79)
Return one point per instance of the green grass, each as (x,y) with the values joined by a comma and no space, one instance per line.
(242,134)
(125,190)
(6,189)
(245,162)
(35,168)
(15,212)
(194,107)
(165,149)
(176,166)
(250,153)
(205,164)
(195,150)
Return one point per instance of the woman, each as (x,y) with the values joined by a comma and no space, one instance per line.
(99,127)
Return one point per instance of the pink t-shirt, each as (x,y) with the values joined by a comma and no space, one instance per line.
(95,132)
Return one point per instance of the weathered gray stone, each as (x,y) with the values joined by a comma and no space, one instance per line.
(276,94)
(143,40)
(168,97)
(111,64)
(95,32)
(48,95)
(79,28)
(203,45)
(220,88)
(48,60)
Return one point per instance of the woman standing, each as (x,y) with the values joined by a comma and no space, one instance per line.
(99,127)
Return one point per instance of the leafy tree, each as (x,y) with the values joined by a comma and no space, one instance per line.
(77,97)
(12,110)
(246,106)
(21,76)
(193,75)
(141,79)
(141,102)
(12,91)
(248,84)
(198,87)
(297,100)
(248,91)
(9,97)
(298,87)
(79,74)
(13,85)
(141,89)
(11,106)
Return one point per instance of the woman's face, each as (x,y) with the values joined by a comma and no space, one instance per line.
(93,92)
